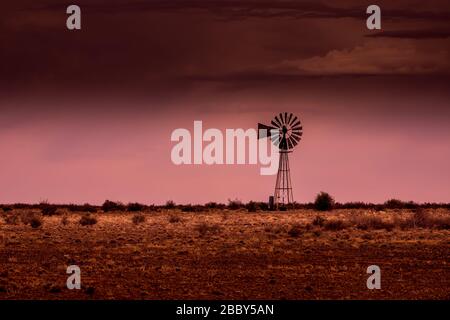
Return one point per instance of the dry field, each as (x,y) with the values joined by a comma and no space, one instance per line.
(226,255)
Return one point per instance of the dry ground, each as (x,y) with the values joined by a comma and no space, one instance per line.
(222,255)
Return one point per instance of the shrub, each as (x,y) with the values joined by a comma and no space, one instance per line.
(295,230)
(192,208)
(214,205)
(394,204)
(134,207)
(82,208)
(324,202)
(173,218)
(204,228)
(424,219)
(421,218)
(26,217)
(35,222)
(7,209)
(170,205)
(442,223)
(334,225)
(109,206)
(372,223)
(252,206)
(235,204)
(11,219)
(138,218)
(264,206)
(319,221)
(87,220)
(48,209)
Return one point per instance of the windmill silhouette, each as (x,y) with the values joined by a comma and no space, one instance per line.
(286,132)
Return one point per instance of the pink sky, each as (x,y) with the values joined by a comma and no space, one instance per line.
(97,152)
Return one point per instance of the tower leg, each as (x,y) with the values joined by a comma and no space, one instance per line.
(283,187)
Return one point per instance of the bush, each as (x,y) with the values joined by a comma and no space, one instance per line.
(11,219)
(138,218)
(264,206)
(35,222)
(170,205)
(173,218)
(48,209)
(87,220)
(192,208)
(235,204)
(26,217)
(324,202)
(134,207)
(295,230)
(109,206)
(82,208)
(334,225)
(372,223)
(395,204)
(319,221)
(252,206)
(424,219)
(214,205)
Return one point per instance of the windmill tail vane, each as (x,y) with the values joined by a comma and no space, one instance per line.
(285,131)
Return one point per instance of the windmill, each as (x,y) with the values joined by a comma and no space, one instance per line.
(286,132)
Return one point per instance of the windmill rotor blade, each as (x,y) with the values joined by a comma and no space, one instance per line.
(275,124)
(290,117)
(299,134)
(294,140)
(293,120)
(276,140)
(296,124)
(278,121)
(285,117)
(297,128)
(281,118)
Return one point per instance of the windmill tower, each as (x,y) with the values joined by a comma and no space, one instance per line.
(286,132)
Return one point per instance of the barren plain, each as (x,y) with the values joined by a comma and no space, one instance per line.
(225,254)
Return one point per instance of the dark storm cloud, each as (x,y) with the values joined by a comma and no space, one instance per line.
(412,34)
(162,47)
(230,9)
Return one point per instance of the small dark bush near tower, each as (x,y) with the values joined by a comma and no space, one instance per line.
(324,202)
(109,206)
